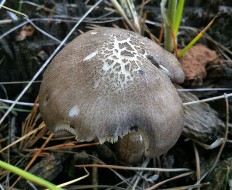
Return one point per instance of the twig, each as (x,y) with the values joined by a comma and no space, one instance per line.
(207,99)
(133,168)
(75,180)
(170,179)
(23,137)
(198,169)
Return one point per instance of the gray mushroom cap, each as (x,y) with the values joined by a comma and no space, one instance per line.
(108,82)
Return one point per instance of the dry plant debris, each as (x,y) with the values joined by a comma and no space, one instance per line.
(26,31)
(35,150)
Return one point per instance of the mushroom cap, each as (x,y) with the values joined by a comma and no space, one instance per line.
(103,85)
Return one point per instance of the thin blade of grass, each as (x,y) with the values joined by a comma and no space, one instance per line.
(183,51)
(170,179)
(33,159)
(28,176)
(178,17)
(134,168)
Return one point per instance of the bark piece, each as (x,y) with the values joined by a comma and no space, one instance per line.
(201,121)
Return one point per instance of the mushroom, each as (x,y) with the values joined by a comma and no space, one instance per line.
(130,148)
(109,82)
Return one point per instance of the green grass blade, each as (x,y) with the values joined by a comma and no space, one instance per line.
(172,10)
(29,176)
(162,7)
(15,109)
(168,41)
(178,17)
(183,51)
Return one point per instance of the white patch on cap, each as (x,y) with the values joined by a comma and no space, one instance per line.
(106,66)
(121,58)
(90,56)
(93,33)
(140,138)
(74,111)
(145,54)
(164,69)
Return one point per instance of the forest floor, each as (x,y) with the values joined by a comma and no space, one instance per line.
(32,32)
